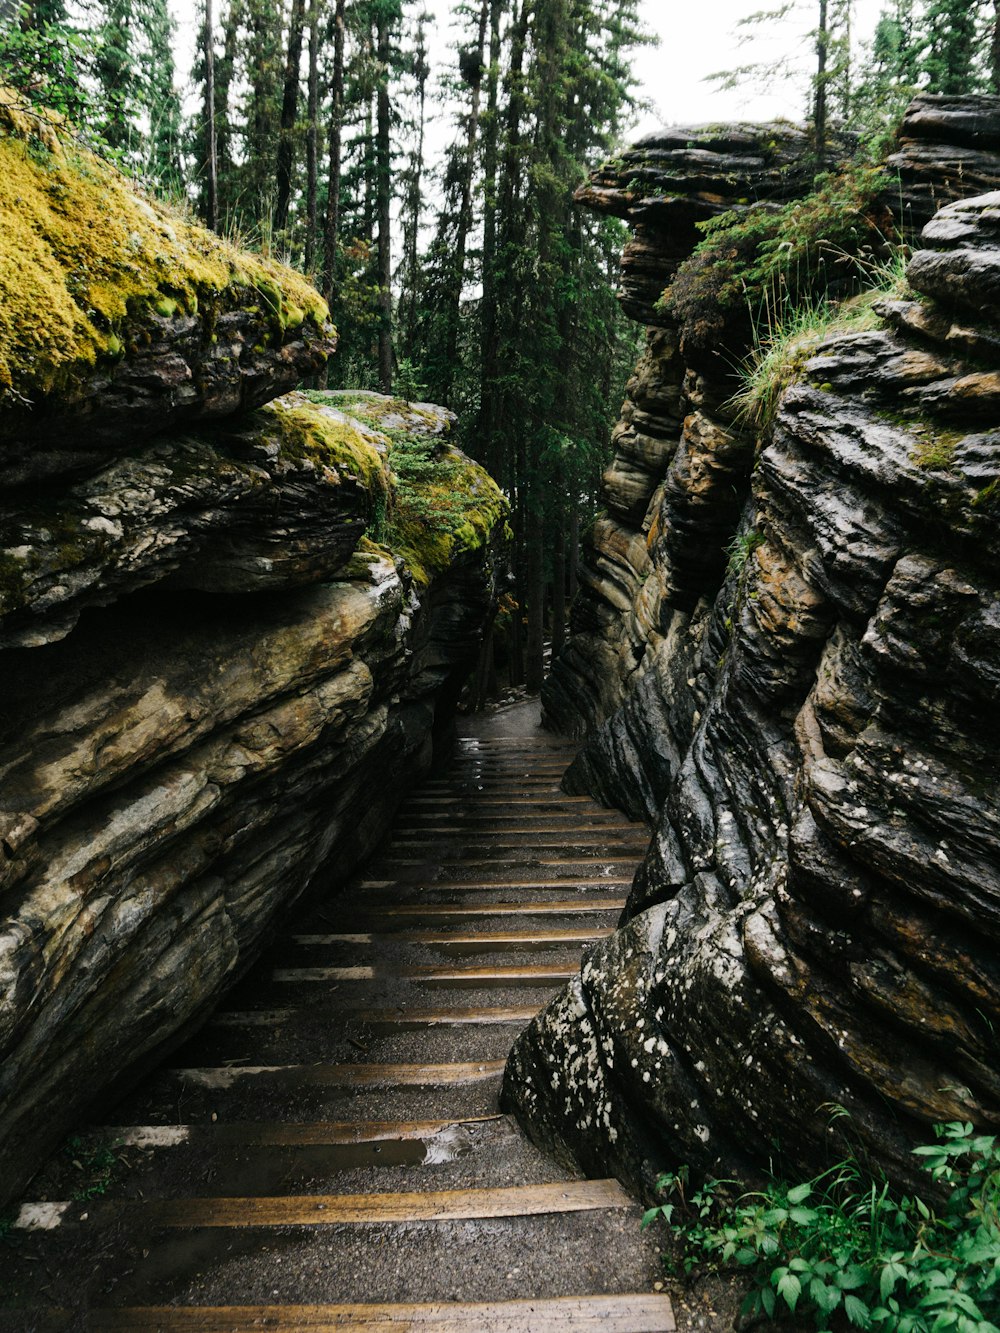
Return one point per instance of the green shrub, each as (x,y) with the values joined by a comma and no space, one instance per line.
(846,1249)
(758,264)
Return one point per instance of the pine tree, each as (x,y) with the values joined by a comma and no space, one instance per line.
(951,61)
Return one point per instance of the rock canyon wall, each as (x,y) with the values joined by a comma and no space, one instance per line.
(214,686)
(785,657)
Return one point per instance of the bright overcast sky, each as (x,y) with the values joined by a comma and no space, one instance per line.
(697,38)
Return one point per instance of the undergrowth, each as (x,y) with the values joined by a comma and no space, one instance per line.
(845,1249)
(764,260)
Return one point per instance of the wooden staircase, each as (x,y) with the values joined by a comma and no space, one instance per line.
(328,1153)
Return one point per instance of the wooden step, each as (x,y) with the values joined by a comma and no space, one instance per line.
(391,1018)
(282,1134)
(472,911)
(501,802)
(633,1313)
(472,886)
(345,1075)
(565,1196)
(542,974)
(488,941)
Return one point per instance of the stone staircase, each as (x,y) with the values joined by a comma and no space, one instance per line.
(328,1152)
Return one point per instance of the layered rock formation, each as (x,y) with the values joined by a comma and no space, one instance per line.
(788,664)
(215,686)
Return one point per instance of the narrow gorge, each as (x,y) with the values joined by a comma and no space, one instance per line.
(237,614)
(784,657)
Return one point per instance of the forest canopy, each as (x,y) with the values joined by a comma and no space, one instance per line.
(469,278)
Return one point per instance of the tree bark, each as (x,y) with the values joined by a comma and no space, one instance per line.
(819,100)
(534,672)
(331,239)
(574,549)
(286,125)
(464,221)
(488,305)
(383,187)
(211,140)
(312,140)
(559,578)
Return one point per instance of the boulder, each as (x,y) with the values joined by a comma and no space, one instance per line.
(119,318)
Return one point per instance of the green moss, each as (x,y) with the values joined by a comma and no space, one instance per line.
(936,451)
(82,253)
(443,505)
(327,437)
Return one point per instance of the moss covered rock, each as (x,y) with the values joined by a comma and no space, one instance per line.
(115,309)
(278,500)
(442,506)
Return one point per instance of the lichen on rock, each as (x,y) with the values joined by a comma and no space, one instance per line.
(442,506)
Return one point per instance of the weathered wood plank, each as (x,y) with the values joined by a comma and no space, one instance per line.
(346,1075)
(571,1196)
(282,1134)
(485,941)
(639,1313)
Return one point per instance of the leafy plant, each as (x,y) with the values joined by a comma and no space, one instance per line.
(845,1249)
(96,1164)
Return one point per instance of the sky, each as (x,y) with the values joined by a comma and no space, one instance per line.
(696,38)
(700,37)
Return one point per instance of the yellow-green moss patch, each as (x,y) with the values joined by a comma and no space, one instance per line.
(306,430)
(82,253)
(439,505)
(443,505)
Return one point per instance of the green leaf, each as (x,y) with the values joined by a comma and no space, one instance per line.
(856,1311)
(825,1297)
(891,1273)
(799,1193)
(790,1289)
(851,1277)
(650,1215)
(767,1301)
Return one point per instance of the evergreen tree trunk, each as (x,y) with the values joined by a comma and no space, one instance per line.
(312,140)
(464,222)
(223,131)
(488,304)
(211,138)
(289,109)
(574,547)
(410,303)
(819,100)
(493,425)
(559,577)
(331,239)
(534,672)
(383,172)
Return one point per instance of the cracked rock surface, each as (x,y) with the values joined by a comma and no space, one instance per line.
(808,722)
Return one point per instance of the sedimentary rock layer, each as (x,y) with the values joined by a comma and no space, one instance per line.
(214,687)
(809,724)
